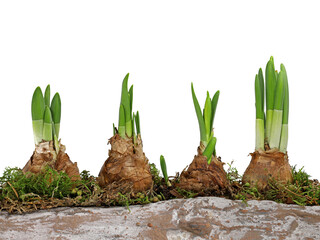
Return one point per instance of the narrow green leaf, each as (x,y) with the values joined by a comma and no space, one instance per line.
(138,123)
(207,115)
(164,168)
(37,105)
(125,101)
(56,112)
(286,97)
(133,129)
(56,108)
(55,139)
(260,75)
(37,113)
(285,117)
(279,92)
(122,122)
(214,104)
(47,96)
(47,125)
(270,84)
(114,129)
(210,149)
(259,98)
(276,127)
(202,127)
(131,97)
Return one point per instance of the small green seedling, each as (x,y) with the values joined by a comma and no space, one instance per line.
(129,122)
(164,170)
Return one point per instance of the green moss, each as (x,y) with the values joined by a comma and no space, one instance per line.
(155,174)
(16,185)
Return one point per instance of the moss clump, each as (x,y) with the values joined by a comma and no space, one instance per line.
(302,191)
(14,184)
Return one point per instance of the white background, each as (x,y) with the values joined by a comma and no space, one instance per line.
(85,48)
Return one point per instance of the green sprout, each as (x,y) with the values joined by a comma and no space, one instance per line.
(129,122)
(206,119)
(164,170)
(273,133)
(46,117)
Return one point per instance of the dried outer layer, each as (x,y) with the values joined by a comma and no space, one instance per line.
(200,176)
(45,155)
(266,164)
(126,163)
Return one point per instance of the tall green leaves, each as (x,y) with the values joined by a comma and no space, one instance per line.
(46,118)
(277,106)
(128,121)
(206,119)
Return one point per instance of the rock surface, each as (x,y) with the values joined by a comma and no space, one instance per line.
(200,218)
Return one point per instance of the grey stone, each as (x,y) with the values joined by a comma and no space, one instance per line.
(199,218)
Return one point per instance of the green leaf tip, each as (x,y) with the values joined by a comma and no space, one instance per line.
(47,116)
(56,108)
(47,96)
(37,105)
(131,97)
(125,101)
(137,120)
(202,127)
(259,98)
(164,169)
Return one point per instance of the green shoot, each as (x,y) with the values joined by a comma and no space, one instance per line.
(137,119)
(47,125)
(208,152)
(277,112)
(271,81)
(131,97)
(125,101)
(55,139)
(203,135)
(47,96)
(46,119)
(164,170)
(205,119)
(284,130)
(56,112)
(133,130)
(37,112)
(114,129)
(259,113)
(272,126)
(122,122)
(207,114)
